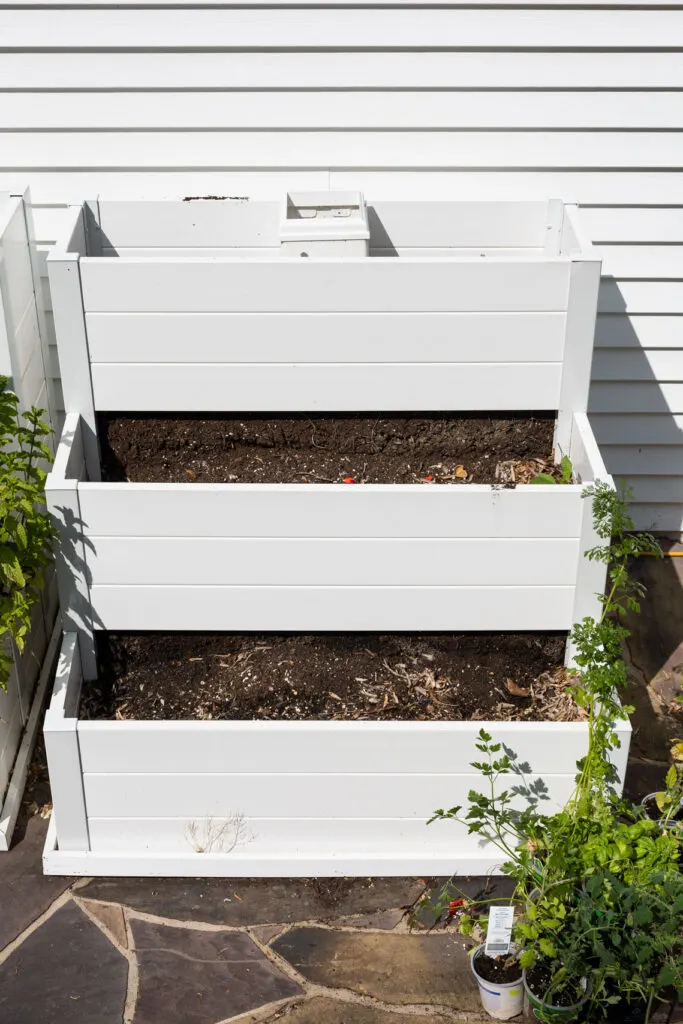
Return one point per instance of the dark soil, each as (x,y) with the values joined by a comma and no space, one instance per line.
(382,449)
(501,969)
(538,979)
(653,812)
(331,676)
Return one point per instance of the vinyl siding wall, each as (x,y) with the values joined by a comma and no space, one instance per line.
(432,100)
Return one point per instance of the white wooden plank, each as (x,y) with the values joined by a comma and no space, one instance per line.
(379,110)
(323,337)
(666,518)
(241,223)
(637,429)
(307,609)
(576,367)
(226,561)
(251,746)
(620,224)
(341,28)
(638,332)
(643,261)
(650,489)
(25,151)
(287,795)
(61,745)
(328,510)
(353,285)
(640,297)
(629,397)
(645,459)
(632,364)
(10,735)
(596,187)
(280,387)
(315,70)
(290,837)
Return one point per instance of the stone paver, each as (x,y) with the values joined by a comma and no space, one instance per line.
(331,1011)
(111,916)
(25,893)
(188,976)
(65,972)
(423,969)
(249,901)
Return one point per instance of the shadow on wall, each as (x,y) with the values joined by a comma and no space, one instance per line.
(642,445)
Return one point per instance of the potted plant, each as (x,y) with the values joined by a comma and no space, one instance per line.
(26,533)
(598,886)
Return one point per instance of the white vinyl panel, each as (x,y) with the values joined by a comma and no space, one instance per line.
(328,510)
(667,489)
(311,70)
(631,364)
(433,224)
(639,332)
(183,387)
(287,795)
(353,285)
(645,459)
(596,187)
(628,397)
(324,27)
(308,609)
(638,429)
(226,561)
(618,224)
(24,151)
(10,733)
(643,261)
(323,337)
(250,746)
(641,297)
(283,837)
(198,223)
(348,110)
(665,517)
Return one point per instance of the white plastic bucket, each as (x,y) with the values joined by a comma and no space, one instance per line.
(502,1002)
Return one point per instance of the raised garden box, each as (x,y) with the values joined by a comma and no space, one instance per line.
(309,557)
(188,306)
(295,798)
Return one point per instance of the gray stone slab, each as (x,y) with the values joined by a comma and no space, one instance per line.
(421,969)
(333,1011)
(66,972)
(190,976)
(250,901)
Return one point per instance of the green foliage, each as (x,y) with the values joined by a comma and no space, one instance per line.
(599,888)
(566,473)
(25,531)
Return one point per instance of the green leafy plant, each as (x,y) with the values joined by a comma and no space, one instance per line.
(26,533)
(566,473)
(598,885)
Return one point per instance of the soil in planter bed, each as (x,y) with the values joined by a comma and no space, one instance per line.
(498,969)
(538,979)
(379,449)
(331,676)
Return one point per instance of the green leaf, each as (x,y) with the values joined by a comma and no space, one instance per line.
(547,948)
(542,478)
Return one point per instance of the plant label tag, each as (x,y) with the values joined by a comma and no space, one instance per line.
(499,931)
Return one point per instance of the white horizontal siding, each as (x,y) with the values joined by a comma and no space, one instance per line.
(438,101)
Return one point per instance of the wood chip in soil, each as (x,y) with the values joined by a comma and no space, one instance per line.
(381,449)
(369,677)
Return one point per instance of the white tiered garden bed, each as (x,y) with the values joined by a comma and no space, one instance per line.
(296,798)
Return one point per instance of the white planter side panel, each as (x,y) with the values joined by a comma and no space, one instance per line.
(320,557)
(154,793)
(234,338)
(344,387)
(21,359)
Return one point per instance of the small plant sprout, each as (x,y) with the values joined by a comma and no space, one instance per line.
(26,534)
(218,836)
(566,473)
